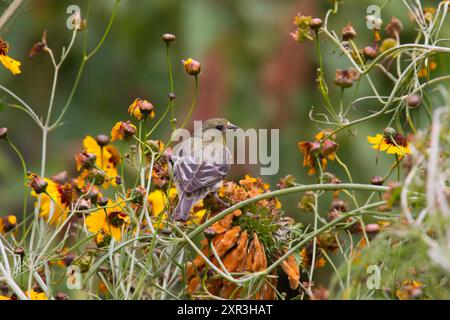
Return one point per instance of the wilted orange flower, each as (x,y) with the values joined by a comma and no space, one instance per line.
(246,241)
(317,150)
(141,108)
(122,130)
(306,255)
(345,78)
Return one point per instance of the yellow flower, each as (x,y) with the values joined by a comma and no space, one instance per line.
(158,200)
(122,130)
(139,108)
(395,144)
(108,223)
(8,62)
(54,208)
(4,298)
(7,223)
(33,295)
(108,158)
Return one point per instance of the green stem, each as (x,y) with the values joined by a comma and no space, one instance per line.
(277,193)
(25,175)
(194,102)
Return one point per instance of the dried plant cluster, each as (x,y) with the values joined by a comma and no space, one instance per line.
(108,232)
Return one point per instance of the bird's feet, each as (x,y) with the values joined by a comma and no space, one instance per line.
(220,201)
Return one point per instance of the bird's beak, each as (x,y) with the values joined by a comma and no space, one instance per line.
(231,126)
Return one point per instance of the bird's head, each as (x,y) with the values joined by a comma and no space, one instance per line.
(220,124)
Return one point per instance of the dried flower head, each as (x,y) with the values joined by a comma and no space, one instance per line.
(394,27)
(123,130)
(303,30)
(246,240)
(317,151)
(141,108)
(345,78)
(348,32)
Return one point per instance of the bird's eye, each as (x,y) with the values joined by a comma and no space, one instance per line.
(220,127)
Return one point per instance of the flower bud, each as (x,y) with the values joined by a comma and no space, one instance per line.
(171,96)
(209,233)
(61,296)
(98,177)
(192,66)
(38,184)
(85,160)
(339,205)
(84,205)
(3,132)
(413,101)
(145,107)
(370,52)
(372,228)
(19,251)
(118,180)
(389,131)
(316,24)
(394,27)
(93,195)
(387,44)
(137,195)
(166,231)
(377,180)
(102,140)
(102,201)
(129,130)
(60,177)
(348,32)
(168,38)
(154,145)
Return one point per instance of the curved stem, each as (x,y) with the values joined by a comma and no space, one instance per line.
(25,175)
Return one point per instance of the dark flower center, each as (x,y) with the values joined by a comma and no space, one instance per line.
(3,47)
(115,218)
(396,140)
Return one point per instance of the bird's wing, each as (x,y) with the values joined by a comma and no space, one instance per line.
(192,173)
(192,177)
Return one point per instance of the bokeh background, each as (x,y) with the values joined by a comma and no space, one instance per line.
(254,74)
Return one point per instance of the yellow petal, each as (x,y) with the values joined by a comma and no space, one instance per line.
(375,140)
(158,200)
(96,221)
(10,64)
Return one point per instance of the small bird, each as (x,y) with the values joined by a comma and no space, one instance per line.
(197,170)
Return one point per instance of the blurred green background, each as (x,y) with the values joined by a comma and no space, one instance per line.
(254,74)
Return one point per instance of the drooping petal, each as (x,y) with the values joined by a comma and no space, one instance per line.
(10,64)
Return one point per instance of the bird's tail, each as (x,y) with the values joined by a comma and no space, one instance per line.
(183,208)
